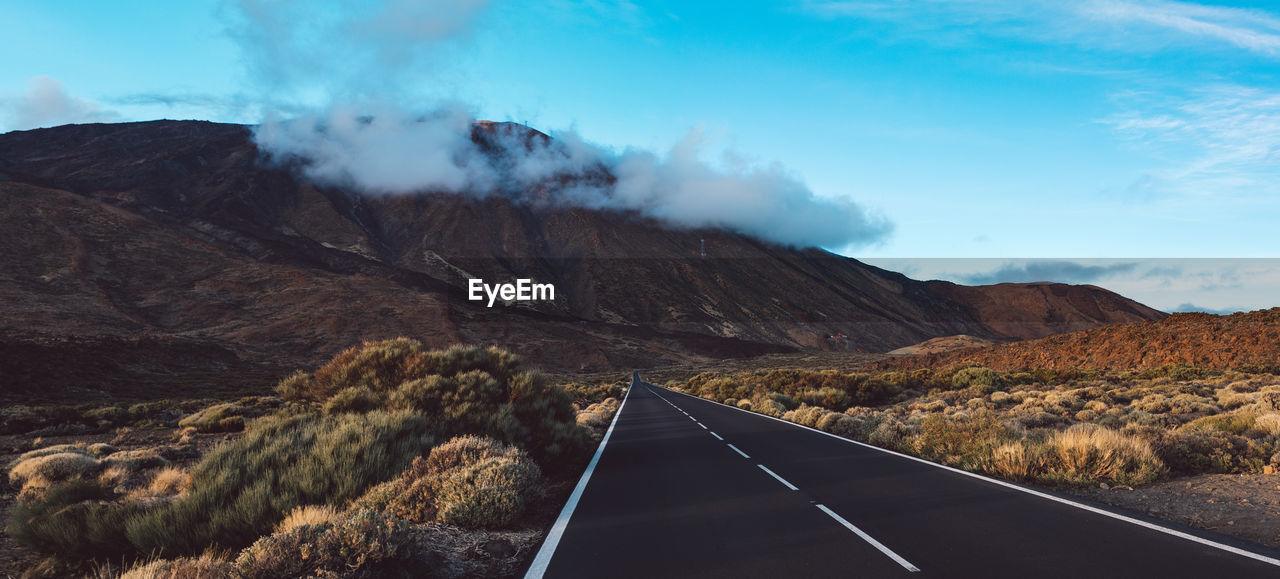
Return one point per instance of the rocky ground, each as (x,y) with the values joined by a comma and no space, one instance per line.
(1246,506)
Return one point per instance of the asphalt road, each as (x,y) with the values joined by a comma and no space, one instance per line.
(684,487)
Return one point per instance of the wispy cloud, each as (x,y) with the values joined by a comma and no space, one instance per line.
(1209,135)
(1048,270)
(1190,307)
(1222,140)
(47,103)
(1108,24)
(1251,30)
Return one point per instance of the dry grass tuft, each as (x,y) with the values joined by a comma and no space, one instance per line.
(308,515)
(210,565)
(1086,453)
(52,468)
(169,481)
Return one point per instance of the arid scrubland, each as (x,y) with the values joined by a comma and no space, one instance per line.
(1061,428)
(389,459)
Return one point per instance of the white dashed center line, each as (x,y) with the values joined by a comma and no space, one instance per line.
(780,479)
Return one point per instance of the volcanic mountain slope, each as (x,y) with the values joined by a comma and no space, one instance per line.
(1239,340)
(183,231)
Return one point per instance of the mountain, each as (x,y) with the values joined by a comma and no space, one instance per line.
(182,234)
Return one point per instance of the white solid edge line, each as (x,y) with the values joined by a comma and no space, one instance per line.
(1033,492)
(543,558)
(868,538)
(739,451)
(780,479)
(718,437)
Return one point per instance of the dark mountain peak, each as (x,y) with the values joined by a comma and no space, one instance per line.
(182,228)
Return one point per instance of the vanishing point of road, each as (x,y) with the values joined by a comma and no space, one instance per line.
(685,487)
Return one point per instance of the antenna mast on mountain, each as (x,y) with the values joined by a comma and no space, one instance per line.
(703,251)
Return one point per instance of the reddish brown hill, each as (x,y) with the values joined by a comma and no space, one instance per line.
(1207,340)
(180,231)
(1035,310)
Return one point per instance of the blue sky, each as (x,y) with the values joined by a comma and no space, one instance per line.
(1003,130)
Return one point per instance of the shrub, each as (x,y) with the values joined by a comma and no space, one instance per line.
(783,401)
(243,489)
(55,449)
(107,416)
(364,543)
(586,394)
(1088,454)
(461,390)
(840,425)
(168,481)
(55,467)
(354,399)
(469,481)
(135,460)
(591,420)
(1268,424)
(806,415)
(207,566)
(488,494)
(1014,460)
(72,520)
(966,442)
(889,433)
(1237,423)
(224,417)
(975,376)
(1176,372)
(768,407)
(383,366)
(1208,451)
(829,398)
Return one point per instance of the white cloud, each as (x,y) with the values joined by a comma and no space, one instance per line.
(46,103)
(1251,30)
(1222,140)
(370,131)
(1148,25)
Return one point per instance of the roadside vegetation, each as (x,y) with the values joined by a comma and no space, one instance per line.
(389,459)
(1060,428)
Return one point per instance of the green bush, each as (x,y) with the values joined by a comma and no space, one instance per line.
(975,376)
(829,398)
(1237,423)
(966,442)
(1177,372)
(242,489)
(72,520)
(461,390)
(224,417)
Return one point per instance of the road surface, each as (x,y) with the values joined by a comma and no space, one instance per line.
(684,487)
